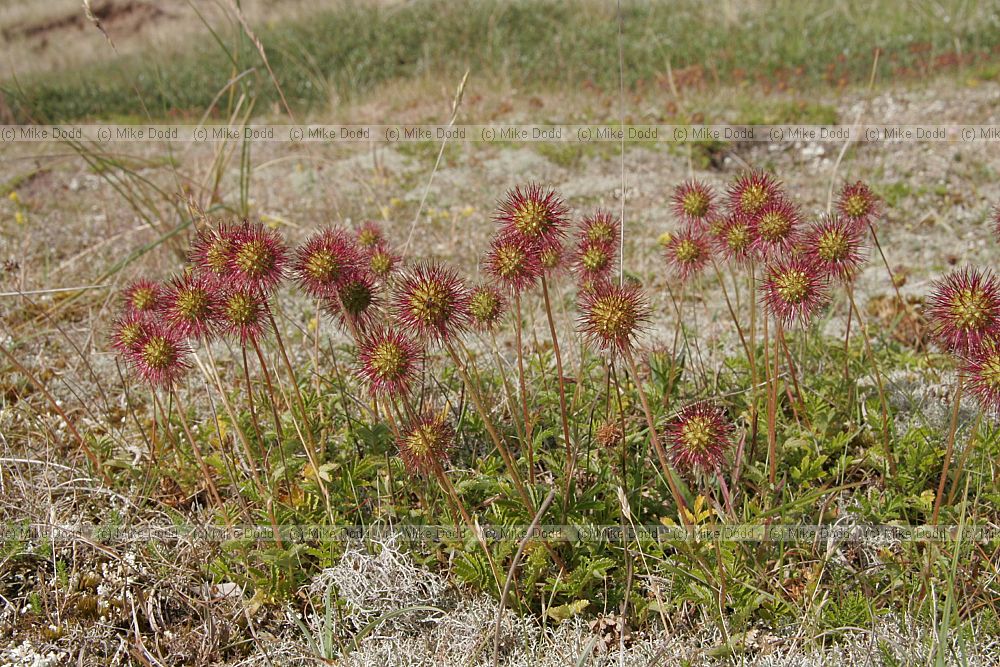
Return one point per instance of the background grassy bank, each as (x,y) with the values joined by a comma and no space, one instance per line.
(344,51)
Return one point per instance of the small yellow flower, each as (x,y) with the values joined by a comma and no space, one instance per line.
(14,197)
(468,211)
(19,217)
(396,202)
(385,212)
(665,238)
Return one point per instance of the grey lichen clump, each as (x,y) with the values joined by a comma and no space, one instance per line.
(380,583)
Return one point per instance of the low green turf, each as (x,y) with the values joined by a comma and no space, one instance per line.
(346,51)
(830,448)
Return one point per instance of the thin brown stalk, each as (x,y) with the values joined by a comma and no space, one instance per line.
(950,448)
(513,567)
(847,342)
(732,313)
(505,454)
(892,278)
(154,448)
(457,503)
(754,372)
(799,402)
(772,408)
(250,400)
(883,401)
(570,449)
(241,435)
(966,452)
(408,408)
(315,360)
(477,402)
(528,445)
(389,417)
(274,411)
(270,390)
(165,415)
(613,379)
(508,391)
(307,441)
(196,450)
(661,454)
(678,327)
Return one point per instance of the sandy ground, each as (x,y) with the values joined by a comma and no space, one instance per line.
(76,226)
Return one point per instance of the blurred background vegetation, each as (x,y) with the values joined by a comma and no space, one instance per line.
(177,60)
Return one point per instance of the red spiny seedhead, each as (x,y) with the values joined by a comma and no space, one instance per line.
(688,252)
(694,202)
(858,205)
(753,191)
(211,251)
(355,302)
(486,306)
(322,262)
(432,301)
(127,332)
(836,246)
(793,290)
(424,447)
(735,239)
(369,235)
(601,227)
(160,358)
(513,263)
(389,362)
(777,229)
(982,370)
(143,297)
(382,261)
(716,225)
(244,315)
(535,215)
(612,315)
(594,260)
(190,306)
(700,435)
(257,259)
(594,257)
(964,310)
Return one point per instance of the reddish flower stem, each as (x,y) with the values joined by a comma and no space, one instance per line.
(966,452)
(250,400)
(892,278)
(661,454)
(307,439)
(883,402)
(242,436)
(529,446)
(477,402)
(949,449)
(570,449)
(196,450)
